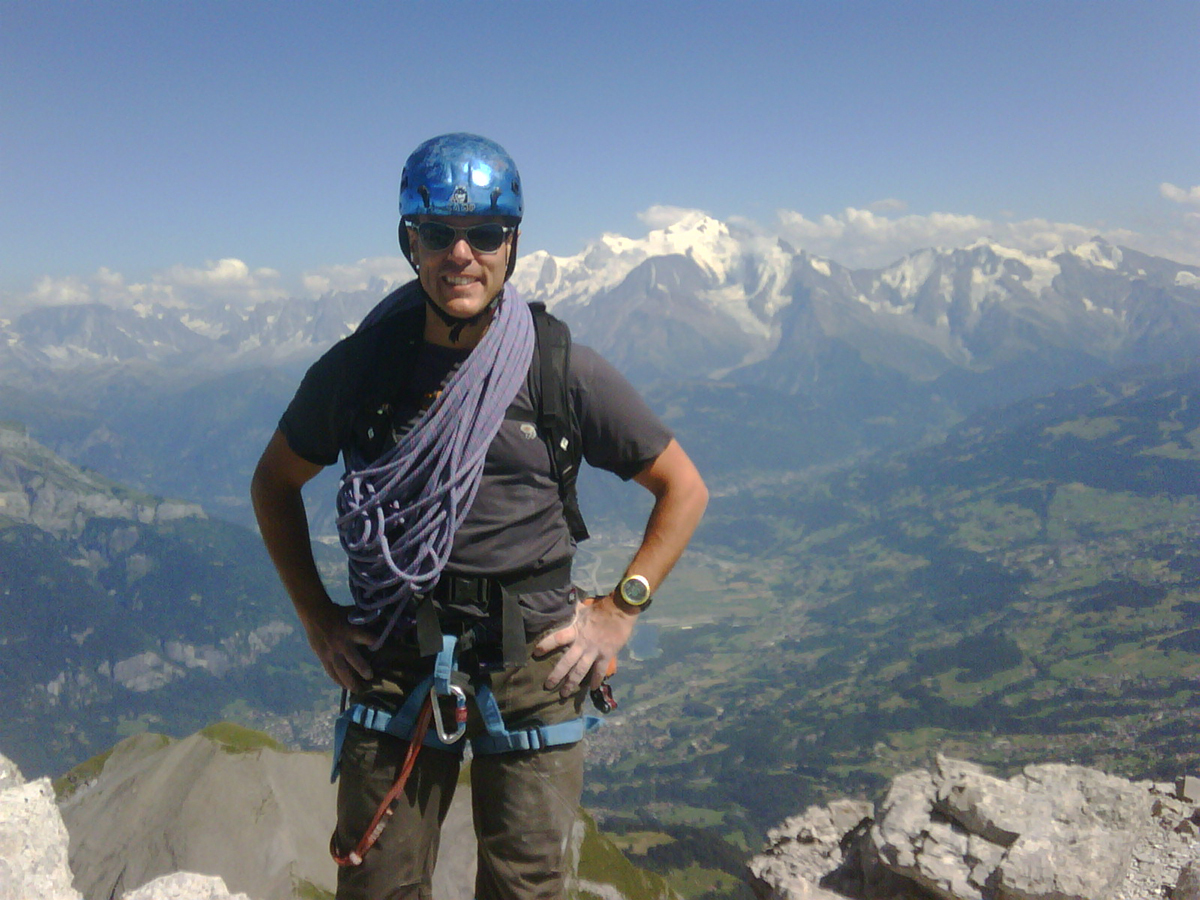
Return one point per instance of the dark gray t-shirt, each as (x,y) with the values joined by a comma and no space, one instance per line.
(515,525)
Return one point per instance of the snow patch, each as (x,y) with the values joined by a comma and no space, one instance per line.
(821,266)
(1103,257)
(202,327)
(907,276)
(1043,267)
(879,306)
(732,300)
(983,284)
(1187,279)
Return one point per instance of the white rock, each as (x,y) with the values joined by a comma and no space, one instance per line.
(184,886)
(33,845)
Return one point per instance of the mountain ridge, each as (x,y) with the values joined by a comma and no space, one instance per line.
(116,604)
(872,358)
(739,282)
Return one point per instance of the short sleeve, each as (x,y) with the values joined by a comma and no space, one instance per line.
(314,422)
(620,432)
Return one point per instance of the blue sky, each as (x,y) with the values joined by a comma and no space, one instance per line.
(150,141)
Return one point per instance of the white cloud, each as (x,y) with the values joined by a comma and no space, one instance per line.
(224,281)
(227,281)
(889,204)
(1186,196)
(660,216)
(377,273)
(59,291)
(860,238)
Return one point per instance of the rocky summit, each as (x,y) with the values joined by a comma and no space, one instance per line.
(33,851)
(225,814)
(1052,832)
(954,832)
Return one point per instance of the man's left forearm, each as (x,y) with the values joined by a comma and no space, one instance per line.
(680,498)
(602,628)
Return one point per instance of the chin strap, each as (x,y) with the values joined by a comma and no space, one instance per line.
(456,324)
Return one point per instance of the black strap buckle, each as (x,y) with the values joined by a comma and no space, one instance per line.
(476,591)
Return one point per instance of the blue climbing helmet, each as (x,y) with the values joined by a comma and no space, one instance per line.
(460,174)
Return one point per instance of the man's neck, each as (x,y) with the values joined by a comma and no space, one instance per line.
(468,336)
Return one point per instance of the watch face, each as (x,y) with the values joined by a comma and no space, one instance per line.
(635,590)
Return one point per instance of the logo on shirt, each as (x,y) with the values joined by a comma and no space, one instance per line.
(528,431)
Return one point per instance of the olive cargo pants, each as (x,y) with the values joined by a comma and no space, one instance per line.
(524,803)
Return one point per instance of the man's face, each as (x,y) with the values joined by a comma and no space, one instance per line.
(460,279)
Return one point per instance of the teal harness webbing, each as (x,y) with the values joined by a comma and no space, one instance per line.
(497,737)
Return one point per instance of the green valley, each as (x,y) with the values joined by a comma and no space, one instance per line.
(1026,589)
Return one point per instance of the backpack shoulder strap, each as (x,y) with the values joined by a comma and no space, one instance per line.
(556,418)
(385,354)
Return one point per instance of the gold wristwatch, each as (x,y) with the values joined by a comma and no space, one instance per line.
(634,591)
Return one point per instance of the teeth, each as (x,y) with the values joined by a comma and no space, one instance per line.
(458,281)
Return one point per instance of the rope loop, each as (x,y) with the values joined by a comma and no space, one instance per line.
(397,515)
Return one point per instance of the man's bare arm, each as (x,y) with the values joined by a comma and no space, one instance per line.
(602,628)
(275,491)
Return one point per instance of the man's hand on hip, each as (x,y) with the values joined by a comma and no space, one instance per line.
(336,643)
(592,641)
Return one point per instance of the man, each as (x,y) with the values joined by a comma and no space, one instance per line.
(455,521)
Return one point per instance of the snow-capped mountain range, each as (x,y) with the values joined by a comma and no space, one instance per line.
(700,299)
(703,299)
(759,355)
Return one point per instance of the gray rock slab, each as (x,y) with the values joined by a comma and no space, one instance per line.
(1188,788)
(1063,866)
(1188,885)
(804,849)
(1054,832)
(915,841)
(983,805)
(10,775)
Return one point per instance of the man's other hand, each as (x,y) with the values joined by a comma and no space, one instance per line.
(592,641)
(336,643)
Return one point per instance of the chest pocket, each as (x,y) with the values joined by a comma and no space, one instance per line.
(519,450)
(375,431)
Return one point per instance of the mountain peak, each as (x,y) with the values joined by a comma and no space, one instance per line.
(701,238)
(605,262)
(1098,252)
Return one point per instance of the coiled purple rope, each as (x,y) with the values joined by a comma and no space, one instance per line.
(397,516)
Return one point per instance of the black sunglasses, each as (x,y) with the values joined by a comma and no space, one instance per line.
(487,238)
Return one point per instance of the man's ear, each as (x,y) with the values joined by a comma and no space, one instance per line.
(512,254)
(405,235)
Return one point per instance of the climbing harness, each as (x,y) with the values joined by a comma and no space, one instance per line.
(386,808)
(496,738)
(411,723)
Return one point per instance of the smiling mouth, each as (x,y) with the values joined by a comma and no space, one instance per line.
(458,280)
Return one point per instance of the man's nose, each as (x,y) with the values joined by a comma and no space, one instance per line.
(460,250)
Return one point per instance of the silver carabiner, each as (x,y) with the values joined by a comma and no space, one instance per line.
(460,714)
